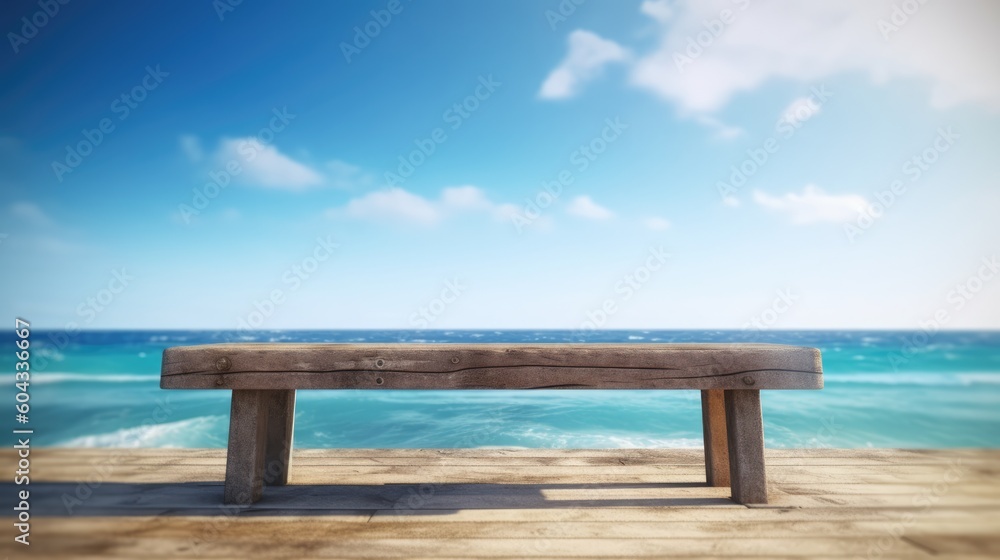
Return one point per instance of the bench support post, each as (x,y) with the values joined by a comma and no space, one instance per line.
(247,441)
(280,423)
(745,428)
(713,419)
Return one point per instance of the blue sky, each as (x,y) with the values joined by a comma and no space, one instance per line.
(200,165)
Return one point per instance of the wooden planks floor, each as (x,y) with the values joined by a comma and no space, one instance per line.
(506,503)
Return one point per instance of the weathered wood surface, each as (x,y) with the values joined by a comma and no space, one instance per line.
(264,378)
(745,432)
(247,446)
(414,503)
(732,427)
(491,366)
(280,428)
(713,421)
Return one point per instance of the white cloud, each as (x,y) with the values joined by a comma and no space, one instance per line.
(657,9)
(396,205)
(588,55)
(263,165)
(506,210)
(722,130)
(656,223)
(465,197)
(813,205)
(701,63)
(585,207)
(30,213)
(191,146)
(800,110)
(508,213)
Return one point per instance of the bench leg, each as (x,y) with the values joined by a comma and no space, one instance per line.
(247,440)
(280,423)
(713,420)
(745,428)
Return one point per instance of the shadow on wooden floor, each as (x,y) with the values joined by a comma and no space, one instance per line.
(72,499)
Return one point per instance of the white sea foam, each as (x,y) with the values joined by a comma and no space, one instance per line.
(191,432)
(543,437)
(46,378)
(917,378)
(979,378)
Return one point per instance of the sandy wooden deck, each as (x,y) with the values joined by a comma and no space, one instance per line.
(145,503)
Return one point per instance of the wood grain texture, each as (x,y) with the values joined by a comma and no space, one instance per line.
(164,503)
(713,420)
(745,431)
(280,429)
(491,366)
(247,443)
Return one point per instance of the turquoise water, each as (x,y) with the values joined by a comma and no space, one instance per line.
(883,389)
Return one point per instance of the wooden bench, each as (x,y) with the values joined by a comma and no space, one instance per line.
(264,378)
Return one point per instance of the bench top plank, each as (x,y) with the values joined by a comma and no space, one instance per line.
(490,366)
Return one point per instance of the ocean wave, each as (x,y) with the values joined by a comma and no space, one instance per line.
(916,378)
(541,438)
(192,432)
(172,338)
(979,378)
(66,377)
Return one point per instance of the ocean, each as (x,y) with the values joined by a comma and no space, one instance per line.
(883,389)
